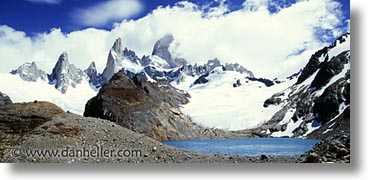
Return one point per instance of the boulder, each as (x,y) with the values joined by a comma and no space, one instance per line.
(4,99)
(312,158)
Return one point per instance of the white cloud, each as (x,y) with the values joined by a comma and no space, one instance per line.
(45,1)
(263,42)
(105,12)
(82,46)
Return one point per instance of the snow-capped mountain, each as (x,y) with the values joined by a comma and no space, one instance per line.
(160,65)
(225,96)
(30,72)
(230,100)
(119,59)
(94,77)
(69,80)
(65,74)
(319,102)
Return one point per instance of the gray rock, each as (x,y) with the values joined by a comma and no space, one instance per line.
(4,99)
(115,60)
(143,107)
(161,49)
(65,74)
(91,72)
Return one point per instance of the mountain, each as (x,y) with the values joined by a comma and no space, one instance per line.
(30,72)
(119,59)
(65,74)
(91,72)
(142,107)
(318,104)
(161,49)
(229,100)
(221,95)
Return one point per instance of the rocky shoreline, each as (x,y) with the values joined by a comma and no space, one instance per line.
(60,130)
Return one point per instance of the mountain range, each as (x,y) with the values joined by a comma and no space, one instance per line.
(222,96)
(160,65)
(162,97)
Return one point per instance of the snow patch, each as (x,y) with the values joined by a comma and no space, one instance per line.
(217,104)
(22,91)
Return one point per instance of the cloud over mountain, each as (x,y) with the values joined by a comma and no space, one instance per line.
(270,43)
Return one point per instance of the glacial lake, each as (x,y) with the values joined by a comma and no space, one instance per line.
(247,146)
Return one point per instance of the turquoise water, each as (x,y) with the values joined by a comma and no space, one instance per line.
(247,146)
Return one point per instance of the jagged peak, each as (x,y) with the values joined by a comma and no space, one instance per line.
(92,65)
(118,47)
(162,44)
(63,59)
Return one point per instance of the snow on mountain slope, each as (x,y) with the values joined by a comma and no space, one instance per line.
(320,97)
(218,104)
(22,91)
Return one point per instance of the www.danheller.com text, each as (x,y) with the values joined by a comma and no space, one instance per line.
(85,152)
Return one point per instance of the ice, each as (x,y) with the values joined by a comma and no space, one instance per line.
(217,104)
(22,91)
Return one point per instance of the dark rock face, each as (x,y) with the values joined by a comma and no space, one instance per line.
(327,105)
(265,81)
(4,99)
(143,107)
(312,66)
(65,74)
(329,69)
(30,72)
(272,101)
(318,58)
(91,72)
(202,79)
(323,104)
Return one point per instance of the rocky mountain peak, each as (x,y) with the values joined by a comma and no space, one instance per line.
(91,72)
(117,47)
(30,72)
(65,74)
(161,49)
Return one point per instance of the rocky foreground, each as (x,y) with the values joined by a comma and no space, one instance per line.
(46,127)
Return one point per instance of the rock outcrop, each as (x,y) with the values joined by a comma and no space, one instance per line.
(144,107)
(318,105)
(91,72)
(4,99)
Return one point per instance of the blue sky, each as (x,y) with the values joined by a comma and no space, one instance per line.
(35,16)
(273,38)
